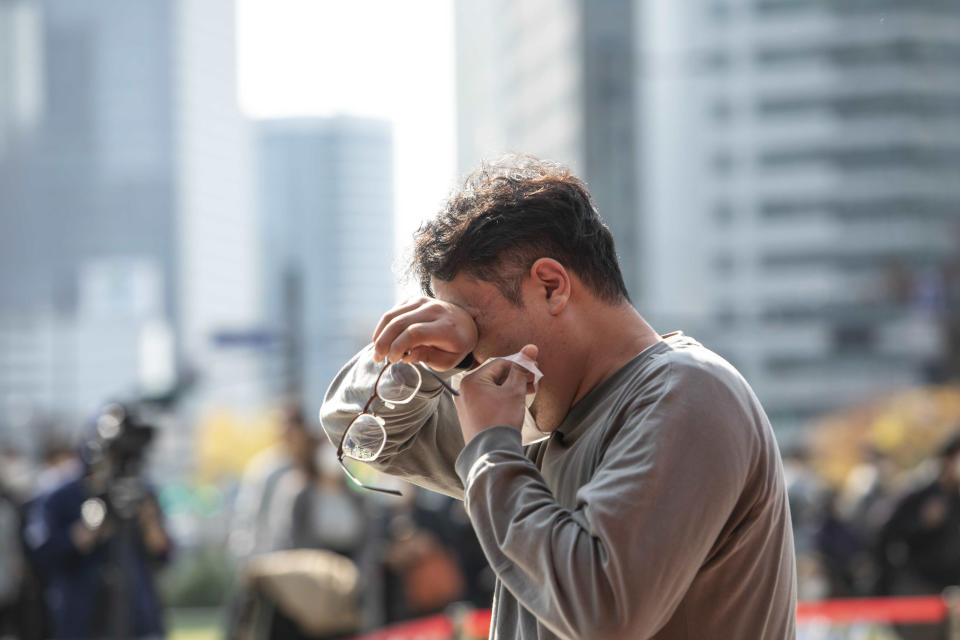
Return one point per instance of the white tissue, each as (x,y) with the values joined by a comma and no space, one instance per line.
(529,433)
(527,363)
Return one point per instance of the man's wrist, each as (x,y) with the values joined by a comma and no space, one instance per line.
(493,440)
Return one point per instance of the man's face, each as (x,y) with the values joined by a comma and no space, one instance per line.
(502,327)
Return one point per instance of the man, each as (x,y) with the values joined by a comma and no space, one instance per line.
(656,507)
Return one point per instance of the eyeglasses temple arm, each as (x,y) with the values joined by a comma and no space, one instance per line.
(444,383)
(392,492)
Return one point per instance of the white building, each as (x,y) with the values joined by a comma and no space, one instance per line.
(555,79)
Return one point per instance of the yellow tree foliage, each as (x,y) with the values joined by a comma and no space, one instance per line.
(908,427)
(227,441)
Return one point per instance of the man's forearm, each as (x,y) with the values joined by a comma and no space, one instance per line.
(423,435)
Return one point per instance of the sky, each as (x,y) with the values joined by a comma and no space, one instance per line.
(389,59)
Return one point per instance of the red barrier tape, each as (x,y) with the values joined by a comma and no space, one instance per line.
(891,610)
(438,627)
(912,610)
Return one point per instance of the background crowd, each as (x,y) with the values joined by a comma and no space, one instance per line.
(311,557)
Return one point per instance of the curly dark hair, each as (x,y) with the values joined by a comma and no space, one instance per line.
(506,216)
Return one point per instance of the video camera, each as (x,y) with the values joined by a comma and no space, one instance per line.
(115,456)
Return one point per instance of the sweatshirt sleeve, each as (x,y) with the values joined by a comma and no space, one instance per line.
(423,435)
(618,563)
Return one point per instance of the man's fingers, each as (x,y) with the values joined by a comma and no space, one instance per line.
(518,378)
(499,372)
(427,323)
(406,306)
(417,334)
(490,372)
(435,358)
(383,345)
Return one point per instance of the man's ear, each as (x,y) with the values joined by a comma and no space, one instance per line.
(550,277)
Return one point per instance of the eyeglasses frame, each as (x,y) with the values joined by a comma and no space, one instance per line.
(365,411)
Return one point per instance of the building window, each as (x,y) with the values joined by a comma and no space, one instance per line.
(858,159)
(883,104)
(856,338)
(722,162)
(723,264)
(723,215)
(720,11)
(853,7)
(721,110)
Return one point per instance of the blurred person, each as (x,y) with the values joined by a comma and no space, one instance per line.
(652,506)
(304,505)
(866,498)
(919,545)
(11,566)
(98,537)
(845,555)
(250,526)
(312,508)
(17,473)
(433,558)
(59,461)
(806,493)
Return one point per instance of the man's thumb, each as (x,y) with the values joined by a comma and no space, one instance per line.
(531,351)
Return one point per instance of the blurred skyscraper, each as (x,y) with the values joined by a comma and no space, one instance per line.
(126,227)
(20,80)
(796,165)
(556,79)
(326,205)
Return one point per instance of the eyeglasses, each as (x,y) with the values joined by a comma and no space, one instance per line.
(365,436)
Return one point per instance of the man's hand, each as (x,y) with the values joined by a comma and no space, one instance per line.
(436,333)
(493,395)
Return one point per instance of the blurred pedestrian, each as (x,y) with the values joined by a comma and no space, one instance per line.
(98,537)
(251,529)
(429,561)
(11,566)
(301,504)
(59,463)
(919,545)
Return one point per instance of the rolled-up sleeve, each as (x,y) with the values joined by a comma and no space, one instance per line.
(423,435)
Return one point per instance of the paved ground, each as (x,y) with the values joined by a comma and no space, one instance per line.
(195,624)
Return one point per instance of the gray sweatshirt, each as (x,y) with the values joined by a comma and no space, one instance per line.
(657,509)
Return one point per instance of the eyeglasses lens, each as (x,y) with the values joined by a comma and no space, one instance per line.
(399,383)
(364,439)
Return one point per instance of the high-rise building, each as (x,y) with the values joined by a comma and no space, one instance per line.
(127,235)
(20,77)
(326,206)
(814,147)
(797,206)
(556,80)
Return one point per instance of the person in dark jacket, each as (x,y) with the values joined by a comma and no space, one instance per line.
(919,546)
(98,537)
